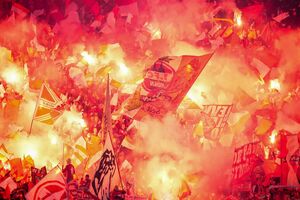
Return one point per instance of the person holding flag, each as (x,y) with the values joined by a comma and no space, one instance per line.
(69,171)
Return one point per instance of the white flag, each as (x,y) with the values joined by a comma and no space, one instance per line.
(106,176)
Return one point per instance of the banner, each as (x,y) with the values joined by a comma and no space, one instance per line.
(295,163)
(165,85)
(48,101)
(214,118)
(243,162)
(52,186)
(37,174)
(106,176)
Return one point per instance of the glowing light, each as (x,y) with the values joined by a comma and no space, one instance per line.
(274,85)
(198,93)
(82,123)
(124,69)
(155,32)
(91,60)
(11,75)
(53,139)
(7,166)
(33,153)
(267,152)
(164,178)
(238,18)
(273,136)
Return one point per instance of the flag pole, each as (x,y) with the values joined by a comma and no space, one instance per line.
(63,154)
(110,128)
(35,110)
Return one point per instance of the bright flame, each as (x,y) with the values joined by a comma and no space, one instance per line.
(166,182)
(90,59)
(7,166)
(32,152)
(11,75)
(273,136)
(82,123)
(124,69)
(274,85)
(267,152)
(238,18)
(53,139)
(198,93)
(155,32)
(76,119)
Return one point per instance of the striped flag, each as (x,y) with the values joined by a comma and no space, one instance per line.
(79,152)
(46,106)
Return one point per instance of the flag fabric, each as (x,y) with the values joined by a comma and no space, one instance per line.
(106,176)
(243,162)
(184,190)
(46,106)
(165,85)
(79,151)
(4,155)
(8,184)
(292,157)
(20,10)
(28,162)
(35,84)
(261,67)
(263,126)
(281,17)
(214,118)
(128,143)
(93,145)
(16,168)
(52,186)
(253,11)
(37,174)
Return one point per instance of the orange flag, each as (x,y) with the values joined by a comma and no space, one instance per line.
(48,101)
(16,167)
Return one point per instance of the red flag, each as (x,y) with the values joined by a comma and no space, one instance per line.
(253,12)
(20,10)
(52,186)
(243,162)
(9,185)
(125,2)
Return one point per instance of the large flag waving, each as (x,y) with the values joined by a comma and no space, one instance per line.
(52,186)
(165,85)
(46,106)
(106,176)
